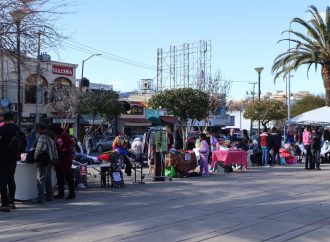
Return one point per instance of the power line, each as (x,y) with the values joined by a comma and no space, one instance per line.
(106,55)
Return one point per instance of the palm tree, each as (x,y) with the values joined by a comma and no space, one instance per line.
(310,48)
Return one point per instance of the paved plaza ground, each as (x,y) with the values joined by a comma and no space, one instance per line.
(283,203)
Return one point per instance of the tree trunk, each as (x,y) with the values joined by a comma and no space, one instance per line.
(326,82)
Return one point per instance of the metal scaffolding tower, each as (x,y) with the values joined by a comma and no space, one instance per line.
(187,65)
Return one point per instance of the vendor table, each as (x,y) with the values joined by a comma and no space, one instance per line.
(229,157)
(26,181)
(104,170)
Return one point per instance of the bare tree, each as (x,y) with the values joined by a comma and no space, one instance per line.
(218,89)
(63,100)
(33,17)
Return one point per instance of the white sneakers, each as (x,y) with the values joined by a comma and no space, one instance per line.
(81,186)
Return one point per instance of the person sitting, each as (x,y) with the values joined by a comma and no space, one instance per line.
(256,155)
(118,144)
(325,149)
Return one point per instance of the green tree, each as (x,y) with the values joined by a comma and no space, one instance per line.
(307,103)
(266,111)
(184,103)
(312,48)
(100,104)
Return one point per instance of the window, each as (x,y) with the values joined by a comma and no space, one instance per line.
(63,81)
(31,93)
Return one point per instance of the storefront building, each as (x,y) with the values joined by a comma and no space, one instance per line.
(35,88)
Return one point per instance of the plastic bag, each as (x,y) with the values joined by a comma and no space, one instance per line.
(170,172)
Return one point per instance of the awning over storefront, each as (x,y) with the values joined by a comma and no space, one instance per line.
(136,122)
(155,121)
(90,122)
(169,119)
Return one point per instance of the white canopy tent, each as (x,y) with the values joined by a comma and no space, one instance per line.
(319,116)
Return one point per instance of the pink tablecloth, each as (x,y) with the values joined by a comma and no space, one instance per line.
(229,157)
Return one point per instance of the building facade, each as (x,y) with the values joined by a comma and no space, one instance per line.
(35,87)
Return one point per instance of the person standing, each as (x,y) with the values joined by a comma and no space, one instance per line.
(30,138)
(264,143)
(204,152)
(88,142)
(8,161)
(316,148)
(307,141)
(45,155)
(231,135)
(63,169)
(274,146)
(77,145)
(213,142)
(178,144)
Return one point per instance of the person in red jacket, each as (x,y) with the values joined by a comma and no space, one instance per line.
(63,169)
(264,143)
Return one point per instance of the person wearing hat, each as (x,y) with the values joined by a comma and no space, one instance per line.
(8,161)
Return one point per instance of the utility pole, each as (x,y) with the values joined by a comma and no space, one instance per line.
(38,78)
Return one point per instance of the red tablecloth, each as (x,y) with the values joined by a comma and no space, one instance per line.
(229,157)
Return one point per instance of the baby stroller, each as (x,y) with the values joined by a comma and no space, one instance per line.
(115,173)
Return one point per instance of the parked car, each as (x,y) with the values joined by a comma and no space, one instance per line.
(104,144)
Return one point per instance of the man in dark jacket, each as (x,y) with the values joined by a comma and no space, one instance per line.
(316,147)
(274,145)
(8,161)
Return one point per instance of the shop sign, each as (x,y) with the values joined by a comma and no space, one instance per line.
(68,121)
(62,70)
(224,120)
(97,86)
(28,120)
(41,115)
(151,113)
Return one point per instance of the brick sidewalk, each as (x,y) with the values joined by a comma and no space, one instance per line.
(261,204)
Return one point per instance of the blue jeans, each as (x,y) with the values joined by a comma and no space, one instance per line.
(316,157)
(275,157)
(265,155)
(44,182)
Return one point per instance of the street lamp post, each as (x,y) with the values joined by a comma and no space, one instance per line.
(259,70)
(38,77)
(240,117)
(83,64)
(17,16)
(80,88)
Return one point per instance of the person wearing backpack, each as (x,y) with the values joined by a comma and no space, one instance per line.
(46,156)
(8,159)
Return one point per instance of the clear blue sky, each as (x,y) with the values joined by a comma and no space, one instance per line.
(244,35)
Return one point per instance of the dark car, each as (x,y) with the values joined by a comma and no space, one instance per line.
(104,144)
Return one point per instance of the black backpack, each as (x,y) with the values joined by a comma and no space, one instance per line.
(17,144)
